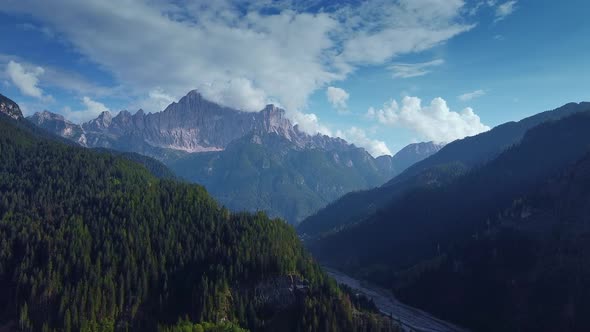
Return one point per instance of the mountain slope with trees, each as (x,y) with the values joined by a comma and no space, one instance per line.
(439,169)
(247,160)
(266,172)
(491,250)
(90,241)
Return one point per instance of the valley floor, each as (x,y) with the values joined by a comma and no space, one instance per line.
(411,319)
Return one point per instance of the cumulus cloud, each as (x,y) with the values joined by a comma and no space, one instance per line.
(504,10)
(92,109)
(244,53)
(337,97)
(60,78)
(435,122)
(471,95)
(359,138)
(157,100)
(408,70)
(309,123)
(26,80)
(239,93)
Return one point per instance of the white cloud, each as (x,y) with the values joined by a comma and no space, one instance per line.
(435,122)
(337,97)
(156,101)
(41,29)
(235,54)
(309,123)
(91,111)
(504,10)
(359,138)
(407,70)
(471,95)
(239,93)
(26,80)
(60,78)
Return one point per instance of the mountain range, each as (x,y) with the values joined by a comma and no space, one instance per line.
(247,160)
(490,233)
(439,169)
(94,240)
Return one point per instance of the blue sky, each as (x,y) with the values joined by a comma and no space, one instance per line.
(380,74)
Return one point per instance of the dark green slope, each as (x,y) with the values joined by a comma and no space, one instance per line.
(475,150)
(93,242)
(437,170)
(410,244)
(157,168)
(529,271)
(266,172)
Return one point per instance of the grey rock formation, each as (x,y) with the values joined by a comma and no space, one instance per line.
(193,124)
(247,160)
(57,124)
(10,108)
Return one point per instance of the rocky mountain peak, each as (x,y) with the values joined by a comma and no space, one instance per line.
(272,109)
(275,121)
(41,117)
(193,94)
(105,117)
(10,108)
(101,123)
(195,124)
(57,124)
(192,98)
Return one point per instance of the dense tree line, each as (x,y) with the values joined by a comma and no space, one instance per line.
(90,241)
(438,170)
(188,326)
(269,172)
(463,252)
(528,271)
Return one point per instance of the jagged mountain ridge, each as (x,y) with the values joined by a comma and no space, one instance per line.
(513,232)
(10,108)
(108,209)
(408,156)
(192,124)
(247,160)
(57,124)
(453,160)
(265,171)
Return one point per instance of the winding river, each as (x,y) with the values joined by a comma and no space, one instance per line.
(411,319)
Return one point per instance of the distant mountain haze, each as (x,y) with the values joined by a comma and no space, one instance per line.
(495,246)
(266,171)
(454,159)
(248,160)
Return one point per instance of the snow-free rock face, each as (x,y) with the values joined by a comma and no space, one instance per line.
(57,124)
(242,158)
(10,108)
(414,153)
(193,124)
(101,123)
(407,156)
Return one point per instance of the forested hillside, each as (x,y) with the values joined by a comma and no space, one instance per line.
(248,161)
(453,251)
(266,172)
(528,271)
(438,170)
(93,242)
